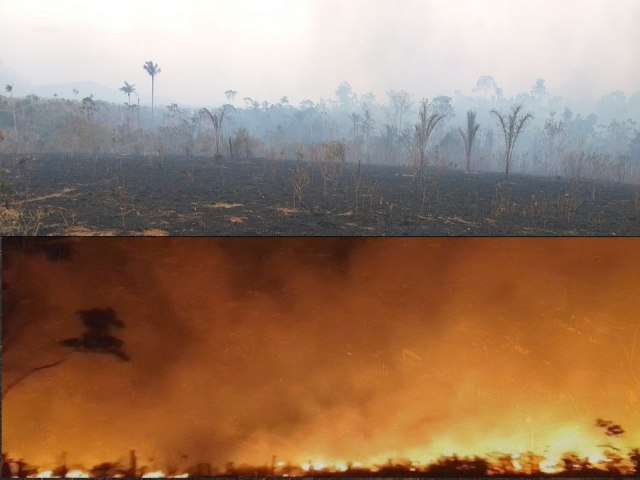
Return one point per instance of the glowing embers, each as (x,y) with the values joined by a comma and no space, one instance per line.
(83,474)
(161,474)
(78,474)
(45,474)
(551,464)
(156,474)
(322,466)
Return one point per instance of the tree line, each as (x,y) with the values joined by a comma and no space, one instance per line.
(533,132)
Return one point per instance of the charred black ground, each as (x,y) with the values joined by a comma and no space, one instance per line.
(195,196)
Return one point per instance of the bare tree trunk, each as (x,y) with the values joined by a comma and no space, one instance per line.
(128,111)
(217,134)
(15,125)
(508,157)
(24,376)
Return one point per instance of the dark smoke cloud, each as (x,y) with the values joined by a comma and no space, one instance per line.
(308,349)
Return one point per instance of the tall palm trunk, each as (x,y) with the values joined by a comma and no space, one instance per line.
(152,69)
(128,110)
(508,163)
(469,136)
(15,124)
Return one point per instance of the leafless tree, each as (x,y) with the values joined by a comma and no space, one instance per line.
(96,339)
(512,124)
(554,137)
(469,136)
(400,103)
(355,119)
(10,385)
(367,124)
(424,129)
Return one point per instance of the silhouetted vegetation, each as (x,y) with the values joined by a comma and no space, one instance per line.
(501,465)
(97,339)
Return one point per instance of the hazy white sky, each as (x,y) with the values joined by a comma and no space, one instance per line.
(304,48)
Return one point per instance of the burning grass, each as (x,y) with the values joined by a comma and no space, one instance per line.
(603,462)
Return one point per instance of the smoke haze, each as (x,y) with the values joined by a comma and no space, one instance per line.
(304,48)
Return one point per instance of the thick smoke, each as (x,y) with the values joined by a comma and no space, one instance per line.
(320,349)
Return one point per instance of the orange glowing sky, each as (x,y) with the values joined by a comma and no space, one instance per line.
(328,350)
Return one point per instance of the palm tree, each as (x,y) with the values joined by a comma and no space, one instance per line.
(511,126)
(424,129)
(231,94)
(152,69)
(128,89)
(9,89)
(469,136)
(216,118)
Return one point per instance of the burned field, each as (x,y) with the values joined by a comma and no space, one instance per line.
(129,195)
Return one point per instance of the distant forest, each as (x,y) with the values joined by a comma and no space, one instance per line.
(557,141)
